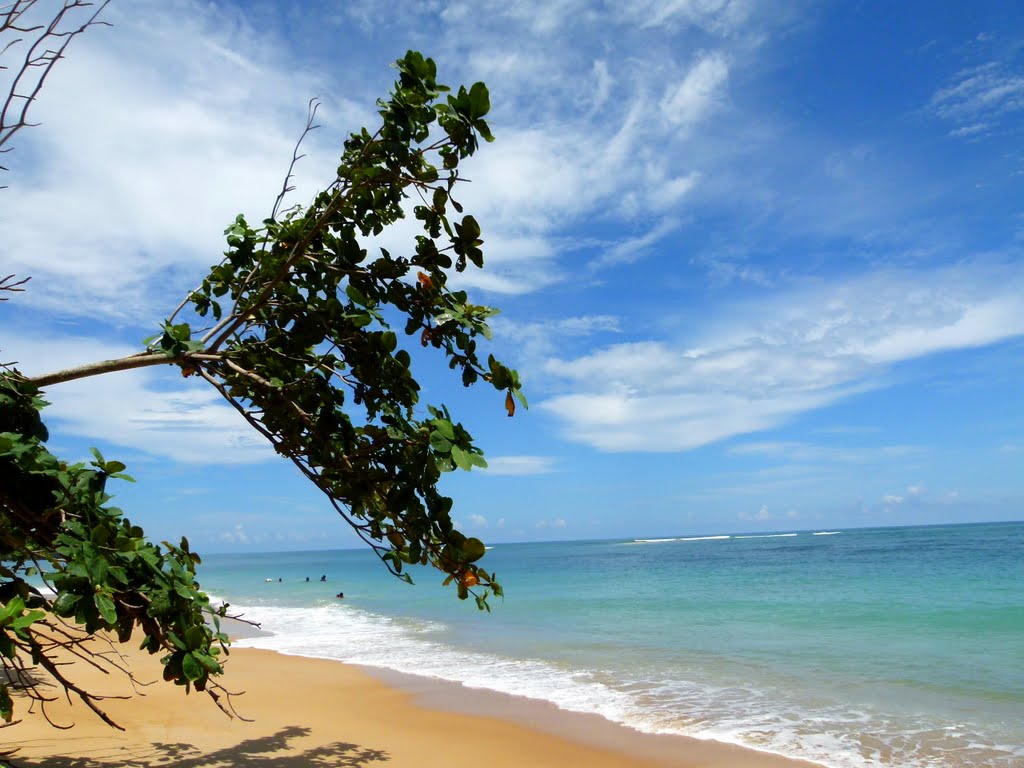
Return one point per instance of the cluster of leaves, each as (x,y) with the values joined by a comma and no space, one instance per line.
(56,524)
(298,333)
(302,342)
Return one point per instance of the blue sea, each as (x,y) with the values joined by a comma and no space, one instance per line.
(852,648)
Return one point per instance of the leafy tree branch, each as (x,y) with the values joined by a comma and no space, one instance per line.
(300,328)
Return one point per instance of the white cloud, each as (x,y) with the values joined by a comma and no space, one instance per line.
(914,494)
(765,362)
(520,465)
(535,341)
(721,16)
(174,136)
(699,93)
(603,82)
(149,145)
(764,515)
(236,535)
(557,522)
(723,270)
(978,97)
(635,248)
(149,410)
(806,452)
(478,521)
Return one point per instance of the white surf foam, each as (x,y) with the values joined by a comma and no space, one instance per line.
(703,538)
(349,634)
(832,735)
(651,541)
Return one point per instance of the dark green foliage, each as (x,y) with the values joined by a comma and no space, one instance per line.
(304,338)
(303,344)
(55,521)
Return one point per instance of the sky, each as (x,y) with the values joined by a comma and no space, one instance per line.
(760,265)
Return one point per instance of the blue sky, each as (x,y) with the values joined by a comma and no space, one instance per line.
(760,264)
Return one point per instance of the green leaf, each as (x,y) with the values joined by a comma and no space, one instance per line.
(22,622)
(356,296)
(6,704)
(65,604)
(484,130)
(179,332)
(178,643)
(479,99)
(15,607)
(208,662)
(461,458)
(440,443)
(440,198)
(195,637)
(191,667)
(444,427)
(106,607)
(473,549)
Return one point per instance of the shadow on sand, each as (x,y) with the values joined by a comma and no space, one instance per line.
(271,751)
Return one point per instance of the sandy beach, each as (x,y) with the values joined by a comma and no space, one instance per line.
(308,712)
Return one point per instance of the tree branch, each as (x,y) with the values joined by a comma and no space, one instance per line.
(139,360)
(39,59)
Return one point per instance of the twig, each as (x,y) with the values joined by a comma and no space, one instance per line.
(286,187)
(39,58)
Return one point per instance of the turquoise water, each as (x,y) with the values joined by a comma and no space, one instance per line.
(868,647)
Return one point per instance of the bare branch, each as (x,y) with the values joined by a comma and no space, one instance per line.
(139,360)
(13,287)
(287,187)
(45,44)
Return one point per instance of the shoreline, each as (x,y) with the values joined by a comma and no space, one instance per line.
(306,709)
(585,728)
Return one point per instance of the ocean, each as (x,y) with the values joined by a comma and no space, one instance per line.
(852,648)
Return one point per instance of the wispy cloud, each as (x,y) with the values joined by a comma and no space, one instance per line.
(918,494)
(977,98)
(536,340)
(236,535)
(701,90)
(720,16)
(768,361)
(149,145)
(144,410)
(635,248)
(808,452)
(764,514)
(520,465)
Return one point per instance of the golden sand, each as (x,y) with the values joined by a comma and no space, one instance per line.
(311,712)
